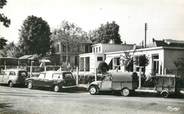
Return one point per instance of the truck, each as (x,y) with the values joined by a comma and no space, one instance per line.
(123,82)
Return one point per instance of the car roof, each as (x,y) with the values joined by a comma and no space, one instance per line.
(55,72)
(16,70)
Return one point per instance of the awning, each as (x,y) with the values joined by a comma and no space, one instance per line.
(45,61)
(30,57)
(25,57)
(108,59)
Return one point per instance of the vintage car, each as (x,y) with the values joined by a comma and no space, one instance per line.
(52,79)
(13,77)
(124,82)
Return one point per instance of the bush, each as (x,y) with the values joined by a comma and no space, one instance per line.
(103,67)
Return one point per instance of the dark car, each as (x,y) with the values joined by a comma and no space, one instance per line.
(52,79)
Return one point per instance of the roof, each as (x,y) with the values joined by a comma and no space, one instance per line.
(30,57)
(16,70)
(53,71)
(169,43)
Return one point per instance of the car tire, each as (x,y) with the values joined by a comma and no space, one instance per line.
(10,84)
(165,94)
(30,85)
(93,90)
(125,92)
(56,88)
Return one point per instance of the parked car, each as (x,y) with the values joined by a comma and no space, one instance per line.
(13,77)
(124,82)
(52,79)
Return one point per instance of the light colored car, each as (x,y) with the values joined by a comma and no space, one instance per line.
(13,77)
(124,82)
(52,79)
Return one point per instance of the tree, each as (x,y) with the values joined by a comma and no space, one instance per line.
(2,43)
(70,36)
(5,21)
(3,18)
(103,67)
(13,50)
(35,36)
(106,33)
(179,67)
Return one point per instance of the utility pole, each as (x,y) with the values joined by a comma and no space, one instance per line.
(145,35)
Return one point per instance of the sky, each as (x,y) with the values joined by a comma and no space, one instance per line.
(163,17)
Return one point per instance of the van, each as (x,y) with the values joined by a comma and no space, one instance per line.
(13,77)
(52,79)
(123,82)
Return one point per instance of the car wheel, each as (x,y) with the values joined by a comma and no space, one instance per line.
(125,92)
(165,94)
(30,85)
(93,90)
(10,84)
(56,88)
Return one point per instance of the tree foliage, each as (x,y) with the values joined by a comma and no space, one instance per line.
(70,36)
(3,18)
(13,50)
(103,67)
(142,60)
(105,33)
(35,36)
(2,43)
(69,33)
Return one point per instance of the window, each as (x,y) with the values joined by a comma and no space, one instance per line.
(99,58)
(64,58)
(57,76)
(23,73)
(93,49)
(12,73)
(64,48)
(57,48)
(68,48)
(42,75)
(68,58)
(155,66)
(96,49)
(99,49)
(67,75)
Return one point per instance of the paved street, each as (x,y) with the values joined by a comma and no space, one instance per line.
(24,101)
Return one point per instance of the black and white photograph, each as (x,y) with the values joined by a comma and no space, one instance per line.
(91,57)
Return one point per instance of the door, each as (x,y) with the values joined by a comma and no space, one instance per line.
(1,76)
(40,80)
(106,83)
(8,75)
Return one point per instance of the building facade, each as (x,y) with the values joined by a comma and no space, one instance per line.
(162,56)
(69,53)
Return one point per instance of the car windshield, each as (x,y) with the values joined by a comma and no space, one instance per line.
(67,75)
(22,73)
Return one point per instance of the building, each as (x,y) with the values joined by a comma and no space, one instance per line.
(162,56)
(90,61)
(69,53)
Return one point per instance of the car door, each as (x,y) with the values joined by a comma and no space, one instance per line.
(2,73)
(40,80)
(7,76)
(106,83)
(48,81)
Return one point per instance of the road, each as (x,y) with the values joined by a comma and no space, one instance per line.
(25,101)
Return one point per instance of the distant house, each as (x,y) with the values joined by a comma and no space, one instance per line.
(69,53)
